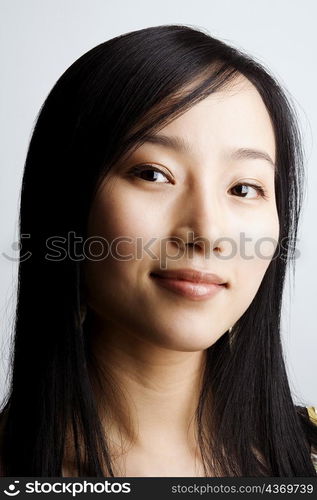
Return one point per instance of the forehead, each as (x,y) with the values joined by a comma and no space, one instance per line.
(231,118)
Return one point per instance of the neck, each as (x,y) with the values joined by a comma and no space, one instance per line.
(147,394)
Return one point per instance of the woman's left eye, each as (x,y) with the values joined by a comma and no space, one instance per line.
(244,189)
(149,173)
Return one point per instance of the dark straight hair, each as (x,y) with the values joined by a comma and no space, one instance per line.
(99,110)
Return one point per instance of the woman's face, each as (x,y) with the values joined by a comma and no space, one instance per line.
(220,190)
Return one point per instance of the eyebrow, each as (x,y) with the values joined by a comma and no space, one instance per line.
(180,145)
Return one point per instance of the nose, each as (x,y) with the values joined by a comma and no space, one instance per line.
(200,221)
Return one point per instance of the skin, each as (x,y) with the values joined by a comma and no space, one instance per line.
(151,341)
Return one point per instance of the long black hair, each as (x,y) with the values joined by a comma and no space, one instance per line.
(99,110)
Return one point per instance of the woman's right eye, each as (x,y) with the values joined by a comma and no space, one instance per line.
(149,173)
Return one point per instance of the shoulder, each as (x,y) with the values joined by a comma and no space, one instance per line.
(312,413)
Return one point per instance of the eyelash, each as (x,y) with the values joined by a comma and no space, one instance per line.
(141,168)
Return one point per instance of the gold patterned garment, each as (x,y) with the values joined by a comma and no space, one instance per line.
(312,412)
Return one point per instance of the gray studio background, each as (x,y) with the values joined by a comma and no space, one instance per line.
(40,39)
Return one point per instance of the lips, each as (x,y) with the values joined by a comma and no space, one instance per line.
(190,283)
(192,275)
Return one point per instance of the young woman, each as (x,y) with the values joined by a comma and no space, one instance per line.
(159,211)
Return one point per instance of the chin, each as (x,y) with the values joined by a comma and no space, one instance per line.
(189,342)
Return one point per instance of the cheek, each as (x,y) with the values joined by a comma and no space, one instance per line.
(264,234)
(258,242)
(121,220)
(255,232)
